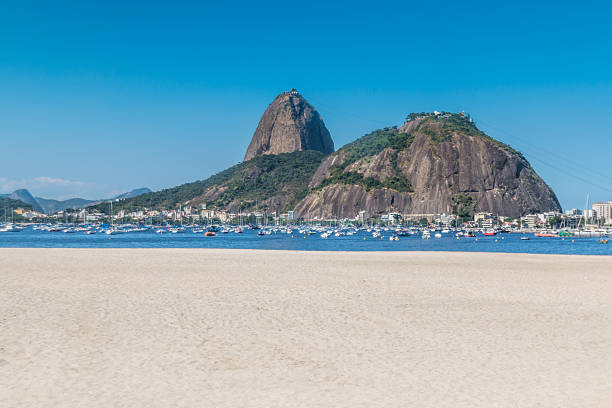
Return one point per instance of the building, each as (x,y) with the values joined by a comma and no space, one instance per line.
(485,220)
(531,220)
(394,218)
(363,216)
(573,211)
(603,211)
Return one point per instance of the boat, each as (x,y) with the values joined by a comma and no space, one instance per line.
(426,234)
(544,234)
(604,240)
(525,238)
(209,234)
(260,233)
(394,238)
(489,233)
(12,228)
(437,235)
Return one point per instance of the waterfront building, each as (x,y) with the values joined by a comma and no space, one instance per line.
(603,211)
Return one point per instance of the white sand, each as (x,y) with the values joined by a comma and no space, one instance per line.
(237,328)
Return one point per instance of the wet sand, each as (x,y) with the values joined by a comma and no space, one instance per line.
(245,328)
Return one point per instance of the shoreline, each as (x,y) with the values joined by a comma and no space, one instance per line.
(299,251)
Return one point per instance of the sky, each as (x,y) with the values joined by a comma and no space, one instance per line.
(96,100)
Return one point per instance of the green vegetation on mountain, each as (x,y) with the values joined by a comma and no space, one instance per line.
(374,143)
(9,203)
(442,127)
(283,177)
(367,146)
(463,207)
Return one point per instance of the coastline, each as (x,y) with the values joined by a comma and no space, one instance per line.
(258,328)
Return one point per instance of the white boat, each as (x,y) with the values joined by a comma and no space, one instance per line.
(426,234)
(11,228)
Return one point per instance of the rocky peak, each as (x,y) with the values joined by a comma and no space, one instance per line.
(289,124)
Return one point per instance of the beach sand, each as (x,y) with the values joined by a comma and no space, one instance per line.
(245,328)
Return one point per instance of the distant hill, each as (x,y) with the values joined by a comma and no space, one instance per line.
(24,196)
(50,206)
(6,207)
(8,203)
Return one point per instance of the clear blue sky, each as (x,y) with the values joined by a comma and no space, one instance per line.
(97,100)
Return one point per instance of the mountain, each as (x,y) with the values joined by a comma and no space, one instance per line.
(268,182)
(50,206)
(6,203)
(133,193)
(24,196)
(289,124)
(434,163)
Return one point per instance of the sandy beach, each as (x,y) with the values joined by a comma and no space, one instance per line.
(244,328)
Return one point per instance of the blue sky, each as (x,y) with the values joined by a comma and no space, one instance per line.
(98,100)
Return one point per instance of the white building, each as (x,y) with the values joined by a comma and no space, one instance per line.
(573,211)
(363,216)
(603,211)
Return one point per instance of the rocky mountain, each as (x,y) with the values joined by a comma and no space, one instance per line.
(432,164)
(289,124)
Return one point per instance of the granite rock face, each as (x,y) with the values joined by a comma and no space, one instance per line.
(441,165)
(289,124)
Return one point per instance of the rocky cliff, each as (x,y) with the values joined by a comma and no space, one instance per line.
(289,124)
(432,164)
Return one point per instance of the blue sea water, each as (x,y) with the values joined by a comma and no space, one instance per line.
(361,241)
